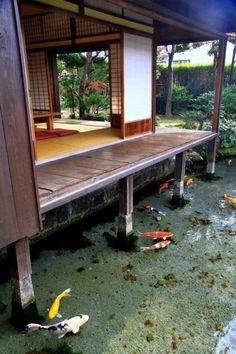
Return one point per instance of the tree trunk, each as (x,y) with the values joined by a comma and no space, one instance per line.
(231,76)
(168,111)
(84,83)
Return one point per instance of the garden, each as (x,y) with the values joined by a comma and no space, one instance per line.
(192,103)
(84,94)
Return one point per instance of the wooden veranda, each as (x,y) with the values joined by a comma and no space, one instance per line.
(66,179)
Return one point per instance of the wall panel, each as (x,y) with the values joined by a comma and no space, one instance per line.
(137,77)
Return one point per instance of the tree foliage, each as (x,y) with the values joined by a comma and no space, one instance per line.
(82,75)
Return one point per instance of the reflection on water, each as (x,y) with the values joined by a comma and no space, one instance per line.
(227,343)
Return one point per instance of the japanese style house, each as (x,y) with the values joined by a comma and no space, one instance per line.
(32,33)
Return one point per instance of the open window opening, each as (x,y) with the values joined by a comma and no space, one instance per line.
(74,81)
(72,104)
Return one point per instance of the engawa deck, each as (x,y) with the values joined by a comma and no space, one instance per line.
(64,180)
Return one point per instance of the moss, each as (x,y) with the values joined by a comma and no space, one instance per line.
(196,220)
(128,243)
(150,337)
(61,349)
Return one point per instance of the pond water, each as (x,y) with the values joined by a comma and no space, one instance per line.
(180,299)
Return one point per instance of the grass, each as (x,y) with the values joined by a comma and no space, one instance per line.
(172,121)
(228,152)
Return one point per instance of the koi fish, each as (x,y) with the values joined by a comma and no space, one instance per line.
(189,181)
(151,209)
(53,311)
(62,328)
(164,186)
(157,246)
(230,199)
(156,234)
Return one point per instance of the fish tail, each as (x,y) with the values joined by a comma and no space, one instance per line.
(143,248)
(64,293)
(139,233)
(31,327)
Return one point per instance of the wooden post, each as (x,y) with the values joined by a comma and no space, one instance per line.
(219,79)
(178,192)
(211,157)
(125,222)
(23,300)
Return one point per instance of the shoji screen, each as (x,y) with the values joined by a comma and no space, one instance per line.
(137,77)
(38,81)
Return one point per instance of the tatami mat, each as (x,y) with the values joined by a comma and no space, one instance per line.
(55,147)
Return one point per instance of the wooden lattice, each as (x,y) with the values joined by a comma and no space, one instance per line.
(56,26)
(46,27)
(38,81)
(85,27)
(33,29)
(115,84)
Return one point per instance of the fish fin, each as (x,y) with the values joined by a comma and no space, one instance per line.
(143,248)
(61,335)
(31,327)
(75,330)
(67,292)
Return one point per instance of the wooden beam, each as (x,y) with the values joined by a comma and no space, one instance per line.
(174,35)
(154,79)
(125,222)
(219,79)
(163,14)
(178,192)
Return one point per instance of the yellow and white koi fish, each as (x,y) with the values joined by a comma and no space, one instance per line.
(62,328)
(53,311)
(230,199)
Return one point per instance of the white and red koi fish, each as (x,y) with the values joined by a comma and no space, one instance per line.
(157,246)
(156,234)
(62,328)
(151,209)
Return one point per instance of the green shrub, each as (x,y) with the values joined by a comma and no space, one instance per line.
(193,119)
(229,99)
(205,104)
(227,132)
(181,98)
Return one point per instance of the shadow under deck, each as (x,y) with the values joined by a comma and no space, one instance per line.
(64,180)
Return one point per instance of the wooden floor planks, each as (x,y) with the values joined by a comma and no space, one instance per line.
(62,180)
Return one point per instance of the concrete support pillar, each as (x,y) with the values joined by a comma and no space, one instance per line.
(180,162)
(24,308)
(211,157)
(125,222)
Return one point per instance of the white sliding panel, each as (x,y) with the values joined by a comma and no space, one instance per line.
(137,77)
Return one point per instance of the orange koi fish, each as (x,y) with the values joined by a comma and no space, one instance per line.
(152,209)
(156,234)
(157,246)
(53,311)
(164,186)
(189,181)
(230,199)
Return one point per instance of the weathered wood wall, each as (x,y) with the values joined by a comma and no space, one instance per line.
(19,212)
